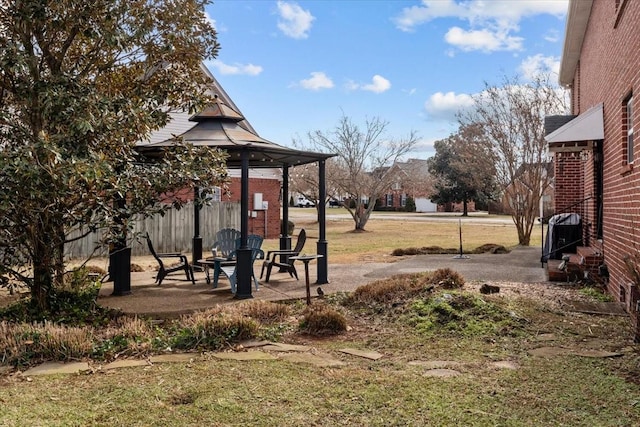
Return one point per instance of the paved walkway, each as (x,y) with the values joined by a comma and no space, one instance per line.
(177,296)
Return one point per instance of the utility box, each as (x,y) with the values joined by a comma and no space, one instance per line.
(257,202)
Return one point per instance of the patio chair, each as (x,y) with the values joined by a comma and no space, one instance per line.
(281,258)
(254,242)
(163,271)
(225,243)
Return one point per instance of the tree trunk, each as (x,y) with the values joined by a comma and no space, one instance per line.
(524,238)
(361,216)
(465,208)
(43,261)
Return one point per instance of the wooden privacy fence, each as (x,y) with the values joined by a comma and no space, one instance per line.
(172,232)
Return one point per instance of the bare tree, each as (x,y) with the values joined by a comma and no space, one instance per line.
(511,117)
(358,172)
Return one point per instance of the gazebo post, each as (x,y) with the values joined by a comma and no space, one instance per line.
(120,257)
(243,254)
(196,252)
(285,239)
(322,245)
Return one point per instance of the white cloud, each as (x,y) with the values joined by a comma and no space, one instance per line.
(317,81)
(445,106)
(411,17)
(539,64)
(294,21)
(506,12)
(378,85)
(552,36)
(484,40)
(236,69)
(494,21)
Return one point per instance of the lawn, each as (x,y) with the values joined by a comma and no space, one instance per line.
(489,341)
(382,235)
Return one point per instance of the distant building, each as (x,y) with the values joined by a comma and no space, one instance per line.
(409,179)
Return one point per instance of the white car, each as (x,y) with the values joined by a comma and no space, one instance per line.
(303,202)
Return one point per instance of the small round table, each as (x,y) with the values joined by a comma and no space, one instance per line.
(216,263)
(306,259)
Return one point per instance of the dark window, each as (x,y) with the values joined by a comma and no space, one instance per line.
(628,122)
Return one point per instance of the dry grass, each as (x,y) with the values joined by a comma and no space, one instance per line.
(404,287)
(265,311)
(323,320)
(43,342)
(387,291)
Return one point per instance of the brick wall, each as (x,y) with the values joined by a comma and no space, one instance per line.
(609,70)
(270,189)
(569,181)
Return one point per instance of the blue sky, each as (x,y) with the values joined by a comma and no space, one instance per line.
(296,66)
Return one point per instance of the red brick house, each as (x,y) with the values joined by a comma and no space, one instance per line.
(596,166)
(408,179)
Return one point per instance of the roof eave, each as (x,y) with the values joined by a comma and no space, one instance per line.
(576,27)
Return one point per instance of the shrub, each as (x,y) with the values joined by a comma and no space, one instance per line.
(387,291)
(290,227)
(23,344)
(135,268)
(320,319)
(73,303)
(213,329)
(410,205)
(425,250)
(264,311)
(94,269)
(491,248)
(131,336)
(447,278)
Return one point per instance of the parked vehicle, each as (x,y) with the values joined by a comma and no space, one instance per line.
(303,202)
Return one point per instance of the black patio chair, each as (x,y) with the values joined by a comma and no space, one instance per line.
(164,271)
(282,258)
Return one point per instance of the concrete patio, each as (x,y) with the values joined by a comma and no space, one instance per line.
(177,296)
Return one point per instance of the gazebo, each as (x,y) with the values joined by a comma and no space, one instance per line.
(222,126)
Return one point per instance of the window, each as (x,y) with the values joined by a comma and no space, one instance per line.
(620,7)
(389,200)
(628,121)
(403,200)
(216,194)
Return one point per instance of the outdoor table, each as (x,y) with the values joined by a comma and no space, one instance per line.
(306,259)
(216,263)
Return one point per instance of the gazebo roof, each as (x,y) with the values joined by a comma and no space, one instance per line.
(228,135)
(222,126)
